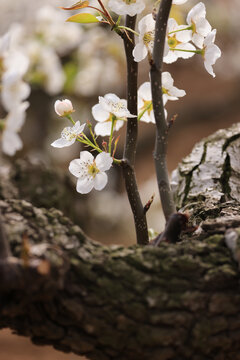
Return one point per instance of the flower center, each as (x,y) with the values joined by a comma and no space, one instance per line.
(147,106)
(68,134)
(129,2)
(93,170)
(148,37)
(194,30)
(116,107)
(172,41)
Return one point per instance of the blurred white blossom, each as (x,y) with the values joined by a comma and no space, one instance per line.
(146,27)
(12,124)
(126,7)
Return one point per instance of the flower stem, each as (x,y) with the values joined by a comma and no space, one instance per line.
(71,119)
(131,138)
(191,51)
(175,31)
(160,151)
(143,112)
(128,29)
(111,135)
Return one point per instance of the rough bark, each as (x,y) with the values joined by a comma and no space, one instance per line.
(179,301)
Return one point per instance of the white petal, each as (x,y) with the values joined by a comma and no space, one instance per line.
(85,185)
(167,80)
(139,52)
(183,54)
(77,128)
(86,157)
(112,98)
(178,2)
(60,143)
(103,129)
(145,92)
(100,181)
(119,124)
(183,36)
(16,117)
(104,161)
(203,27)
(76,167)
(171,57)
(11,142)
(198,11)
(99,113)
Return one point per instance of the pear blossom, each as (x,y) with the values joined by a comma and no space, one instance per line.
(169,91)
(126,7)
(110,106)
(90,172)
(196,18)
(145,106)
(63,107)
(69,135)
(11,141)
(146,27)
(13,89)
(178,40)
(210,52)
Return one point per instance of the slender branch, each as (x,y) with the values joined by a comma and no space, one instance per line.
(158,108)
(131,139)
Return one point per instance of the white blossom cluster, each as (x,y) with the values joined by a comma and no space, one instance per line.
(182,41)
(14,91)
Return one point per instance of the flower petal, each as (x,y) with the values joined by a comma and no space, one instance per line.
(104,161)
(103,129)
(100,181)
(139,52)
(86,157)
(99,113)
(60,143)
(85,185)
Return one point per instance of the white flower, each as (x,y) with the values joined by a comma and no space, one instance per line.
(146,27)
(63,107)
(145,103)
(179,2)
(177,40)
(170,92)
(110,106)
(210,52)
(90,172)
(145,107)
(200,26)
(14,89)
(11,141)
(69,135)
(126,7)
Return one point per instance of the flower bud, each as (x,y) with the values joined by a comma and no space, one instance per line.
(64,107)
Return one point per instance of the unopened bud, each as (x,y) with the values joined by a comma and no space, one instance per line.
(64,107)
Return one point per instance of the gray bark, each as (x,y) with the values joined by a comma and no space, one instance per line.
(179,301)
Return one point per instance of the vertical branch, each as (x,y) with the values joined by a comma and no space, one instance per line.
(131,139)
(160,151)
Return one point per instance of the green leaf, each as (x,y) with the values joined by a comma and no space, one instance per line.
(83,18)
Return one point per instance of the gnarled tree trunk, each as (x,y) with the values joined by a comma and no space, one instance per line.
(179,301)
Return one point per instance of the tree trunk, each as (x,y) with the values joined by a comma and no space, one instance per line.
(179,301)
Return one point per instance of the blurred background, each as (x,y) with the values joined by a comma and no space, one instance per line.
(67,60)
